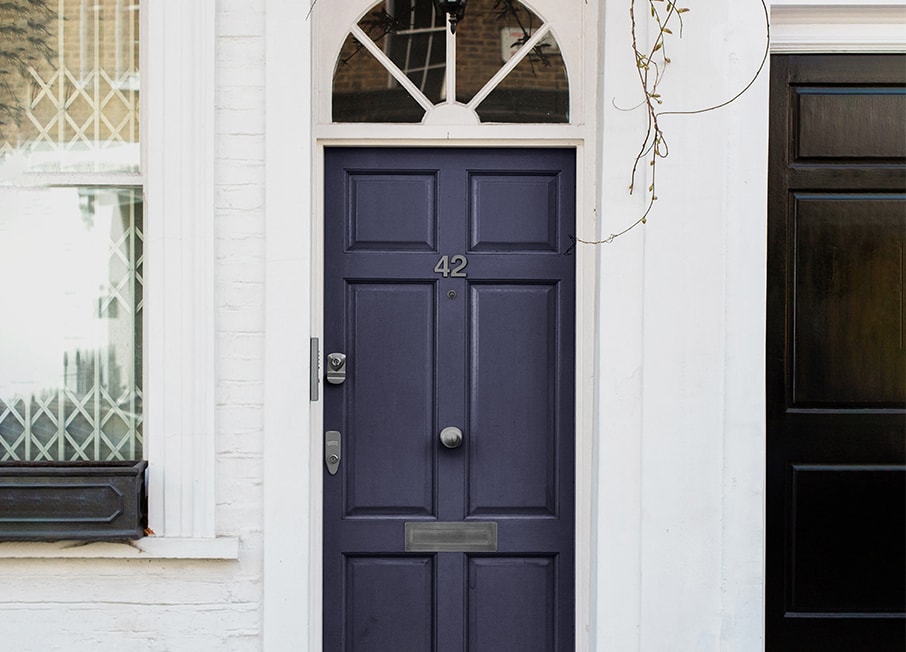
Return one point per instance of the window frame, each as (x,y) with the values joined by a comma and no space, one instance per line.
(177,109)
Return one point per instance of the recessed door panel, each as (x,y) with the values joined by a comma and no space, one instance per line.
(848,552)
(512,604)
(408,199)
(452,418)
(513,456)
(389,603)
(847,280)
(822,109)
(514,211)
(392,462)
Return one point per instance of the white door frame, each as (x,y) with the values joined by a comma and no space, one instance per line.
(586,288)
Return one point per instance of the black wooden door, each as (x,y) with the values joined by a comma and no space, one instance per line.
(446,288)
(836,359)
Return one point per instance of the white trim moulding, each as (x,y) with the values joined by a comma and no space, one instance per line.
(290,622)
(178,59)
(838,27)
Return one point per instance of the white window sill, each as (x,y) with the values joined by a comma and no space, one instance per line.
(220,548)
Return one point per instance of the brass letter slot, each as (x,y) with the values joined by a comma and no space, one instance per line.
(431,536)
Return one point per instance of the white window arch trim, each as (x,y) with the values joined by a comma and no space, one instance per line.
(178,61)
(565,26)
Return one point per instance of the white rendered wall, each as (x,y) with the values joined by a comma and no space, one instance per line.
(101,605)
(291,492)
(681,361)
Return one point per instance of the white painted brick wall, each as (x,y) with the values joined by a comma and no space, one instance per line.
(175,605)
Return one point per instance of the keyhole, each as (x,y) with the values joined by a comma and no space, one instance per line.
(452,294)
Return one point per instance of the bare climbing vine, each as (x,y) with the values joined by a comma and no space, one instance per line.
(651,64)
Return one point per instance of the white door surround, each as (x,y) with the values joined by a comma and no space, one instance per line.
(570,30)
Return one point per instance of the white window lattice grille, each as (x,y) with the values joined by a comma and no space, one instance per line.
(83,121)
(78,100)
(94,410)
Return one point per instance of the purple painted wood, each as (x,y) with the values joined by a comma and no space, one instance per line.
(484,343)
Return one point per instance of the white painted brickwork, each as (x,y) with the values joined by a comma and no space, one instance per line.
(182,605)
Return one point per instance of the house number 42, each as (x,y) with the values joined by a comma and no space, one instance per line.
(452,266)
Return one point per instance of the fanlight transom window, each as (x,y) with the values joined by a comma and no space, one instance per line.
(400,63)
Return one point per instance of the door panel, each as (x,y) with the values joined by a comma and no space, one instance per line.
(836,355)
(822,108)
(512,604)
(843,555)
(404,620)
(514,212)
(392,421)
(446,289)
(848,293)
(408,198)
(513,456)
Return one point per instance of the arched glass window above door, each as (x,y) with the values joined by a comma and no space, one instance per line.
(401,64)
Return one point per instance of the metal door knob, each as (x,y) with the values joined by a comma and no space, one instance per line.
(451,437)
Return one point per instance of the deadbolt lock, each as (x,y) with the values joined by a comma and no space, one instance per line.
(336,368)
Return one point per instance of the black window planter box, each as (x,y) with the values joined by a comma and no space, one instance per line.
(86,501)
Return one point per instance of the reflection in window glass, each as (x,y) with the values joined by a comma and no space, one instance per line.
(413,36)
(490,29)
(418,45)
(535,91)
(361,92)
(70,340)
(69,98)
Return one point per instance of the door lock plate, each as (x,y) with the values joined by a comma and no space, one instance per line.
(332,451)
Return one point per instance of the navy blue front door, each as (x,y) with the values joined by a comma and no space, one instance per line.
(447,290)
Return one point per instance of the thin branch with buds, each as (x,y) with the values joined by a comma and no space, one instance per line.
(651,65)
